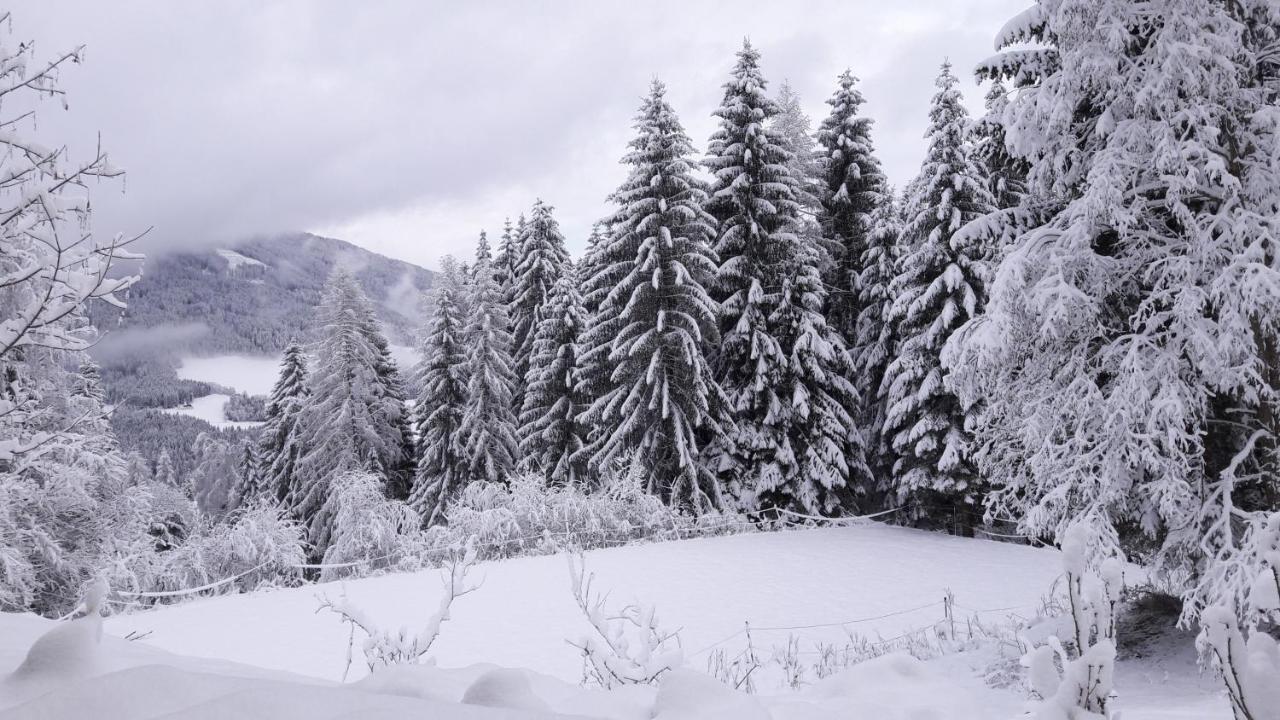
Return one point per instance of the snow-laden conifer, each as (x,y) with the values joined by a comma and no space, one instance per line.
(656,322)
(938,287)
(279,446)
(540,264)
(355,416)
(488,429)
(853,188)
(551,433)
(1127,360)
(442,381)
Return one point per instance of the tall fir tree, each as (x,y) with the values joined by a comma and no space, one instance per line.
(939,286)
(764,267)
(656,322)
(540,265)
(279,446)
(875,337)
(355,416)
(551,434)
(795,134)
(442,466)
(504,263)
(853,187)
(488,429)
(1006,174)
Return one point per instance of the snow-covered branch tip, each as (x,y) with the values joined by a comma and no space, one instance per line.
(403,647)
(1074,679)
(628,647)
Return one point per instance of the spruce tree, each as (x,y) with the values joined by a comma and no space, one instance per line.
(165,473)
(795,134)
(355,416)
(765,267)
(539,266)
(488,431)
(656,323)
(551,434)
(853,187)
(279,446)
(939,285)
(753,201)
(442,397)
(875,340)
(1006,174)
(504,264)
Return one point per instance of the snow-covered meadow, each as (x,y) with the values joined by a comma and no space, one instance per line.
(810,586)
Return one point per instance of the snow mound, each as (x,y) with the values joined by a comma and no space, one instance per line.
(504,688)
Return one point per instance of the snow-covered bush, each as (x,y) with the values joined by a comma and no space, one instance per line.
(528,516)
(1250,668)
(255,545)
(383,647)
(1075,682)
(626,647)
(370,531)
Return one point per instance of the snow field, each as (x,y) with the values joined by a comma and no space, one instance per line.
(801,582)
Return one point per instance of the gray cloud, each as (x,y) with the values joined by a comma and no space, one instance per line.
(407,126)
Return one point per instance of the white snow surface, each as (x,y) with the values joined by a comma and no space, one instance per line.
(211,409)
(707,587)
(257,374)
(269,655)
(235,259)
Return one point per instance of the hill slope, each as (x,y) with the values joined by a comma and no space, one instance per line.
(254,297)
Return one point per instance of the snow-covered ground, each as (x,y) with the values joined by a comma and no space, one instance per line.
(256,374)
(283,658)
(211,409)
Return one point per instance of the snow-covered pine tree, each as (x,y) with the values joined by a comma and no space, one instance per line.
(761,256)
(1127,359)
(488,429)
(830,458)
(442,382)
(939,286)
(539,266)
(550,432)
(752,200)
(795,133)
(165,473)
(504,265)
(279,447)
(656,323)
(1006,174)
(602,267)
(249,488)
(853,188)
(874,342)
(354,417)
(213,479)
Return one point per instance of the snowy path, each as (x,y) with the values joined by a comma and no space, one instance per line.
(707,587)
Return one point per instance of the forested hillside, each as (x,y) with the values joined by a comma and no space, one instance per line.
(253,298)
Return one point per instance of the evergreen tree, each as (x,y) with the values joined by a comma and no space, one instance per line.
(601,269)
(355,418)
(249,488)
(488,432)
(875,340)
(830,460)
(504,265)
(442,379)
(766,290)
(550,432)
(279,445)
(939,285)
(795,134)
(1006,174)
(1127,361)
(540,265)
(165,473)
(853,188)
(656,322)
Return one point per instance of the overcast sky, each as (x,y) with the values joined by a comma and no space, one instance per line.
(408,126)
